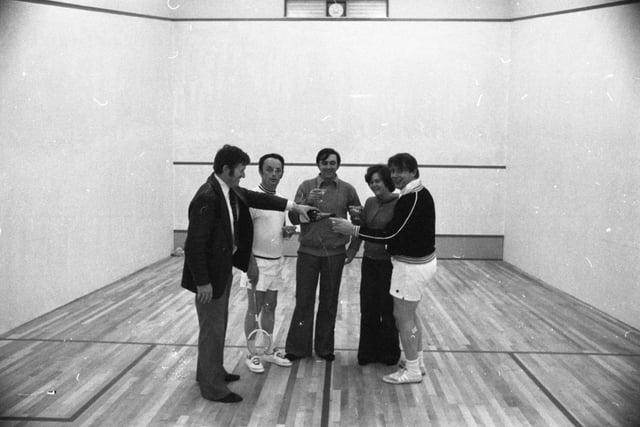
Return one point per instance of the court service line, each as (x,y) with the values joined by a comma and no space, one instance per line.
(546,391)
(111,383)
(89,402)
(326,395)
(233,346)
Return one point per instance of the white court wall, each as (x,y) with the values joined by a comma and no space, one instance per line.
(528,8)
(573,199)
(106,119)
(484,193)
(367,89)
(85,153)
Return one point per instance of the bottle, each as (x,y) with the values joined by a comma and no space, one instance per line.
(315,215)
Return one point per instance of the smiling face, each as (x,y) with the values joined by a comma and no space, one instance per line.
(232,176)
(328,167)
(401,177)
(376,184)
(271,173)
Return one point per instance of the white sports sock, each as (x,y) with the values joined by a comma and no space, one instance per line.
(413,366)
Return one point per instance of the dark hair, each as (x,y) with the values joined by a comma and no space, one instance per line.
(270,156)
(230,156)
(404,162)
(326,152)
(384,173)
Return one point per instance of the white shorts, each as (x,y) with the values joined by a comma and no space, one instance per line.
(408,279)
(271,277)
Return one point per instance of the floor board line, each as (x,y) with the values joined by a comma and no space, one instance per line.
(89,402)
(546,392)
(288,394)
(36,419)
(496,352)
(163,344)
(110,384)
(326,394)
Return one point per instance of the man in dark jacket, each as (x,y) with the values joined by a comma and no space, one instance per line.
(219,237)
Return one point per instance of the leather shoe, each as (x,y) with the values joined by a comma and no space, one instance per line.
(231,377)
(227,377)
(229,398)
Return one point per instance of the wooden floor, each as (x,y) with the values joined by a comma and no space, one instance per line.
(501,349)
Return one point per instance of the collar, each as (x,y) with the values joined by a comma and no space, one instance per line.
(412,187)
(223,185)
(320,181)
(265,190)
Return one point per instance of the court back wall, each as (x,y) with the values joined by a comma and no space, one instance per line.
(367,89)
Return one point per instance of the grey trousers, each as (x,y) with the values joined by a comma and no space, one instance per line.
(213,318)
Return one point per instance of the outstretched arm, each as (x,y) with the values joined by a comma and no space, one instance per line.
(258,200)
(404,209)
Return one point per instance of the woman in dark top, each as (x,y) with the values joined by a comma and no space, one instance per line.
(378,333)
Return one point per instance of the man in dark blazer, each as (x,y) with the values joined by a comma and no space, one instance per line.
(217,240)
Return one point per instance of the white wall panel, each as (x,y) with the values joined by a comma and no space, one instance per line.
(369,89)
(85,161)
(573,200)
(468,201)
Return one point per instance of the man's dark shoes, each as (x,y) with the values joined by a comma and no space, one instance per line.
(229,398)
(231,377)
(227,378)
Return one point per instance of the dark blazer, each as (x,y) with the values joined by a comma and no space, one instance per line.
(209,243)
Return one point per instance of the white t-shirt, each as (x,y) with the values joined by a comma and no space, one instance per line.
(268,241)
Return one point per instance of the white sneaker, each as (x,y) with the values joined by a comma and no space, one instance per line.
(278,358)
(254,364)
(402,376)
(402,364)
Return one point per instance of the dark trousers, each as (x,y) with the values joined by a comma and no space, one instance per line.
(308,269)
(379,340)
(212,318)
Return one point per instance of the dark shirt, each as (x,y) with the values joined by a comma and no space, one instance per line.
(412,230)
(376,214)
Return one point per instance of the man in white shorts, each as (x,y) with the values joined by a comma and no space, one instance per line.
(269,232)
(410,240)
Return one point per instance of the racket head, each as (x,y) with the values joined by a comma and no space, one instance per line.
(258,342)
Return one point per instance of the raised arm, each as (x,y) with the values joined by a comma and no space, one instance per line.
(403,211)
